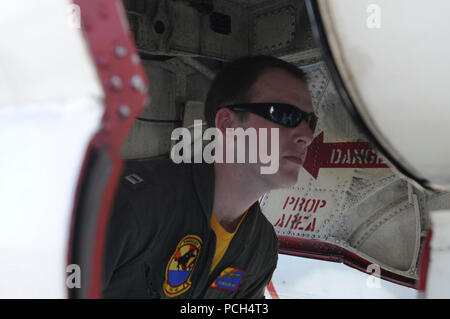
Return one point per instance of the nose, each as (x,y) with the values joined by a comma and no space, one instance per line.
(302,135)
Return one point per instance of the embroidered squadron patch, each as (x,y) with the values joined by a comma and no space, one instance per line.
(181,265)
(229,279)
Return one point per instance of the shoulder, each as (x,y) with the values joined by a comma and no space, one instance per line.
(158,178)
(147,185)
(145,192)
(137,174)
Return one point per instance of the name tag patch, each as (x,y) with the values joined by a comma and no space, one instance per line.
(229,279)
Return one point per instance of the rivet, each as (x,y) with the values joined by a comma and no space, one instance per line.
(135,59)
(116,82)
(138,84)
(124,111)
(102,61)
(120,51)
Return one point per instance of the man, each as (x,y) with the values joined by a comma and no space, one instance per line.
(196,230)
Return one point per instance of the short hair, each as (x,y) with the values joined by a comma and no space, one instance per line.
(233,84)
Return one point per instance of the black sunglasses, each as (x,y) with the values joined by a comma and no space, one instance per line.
(283,114)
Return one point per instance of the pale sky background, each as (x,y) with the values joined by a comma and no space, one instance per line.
(305,278)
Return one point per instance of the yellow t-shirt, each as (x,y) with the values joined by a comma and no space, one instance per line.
(223,239)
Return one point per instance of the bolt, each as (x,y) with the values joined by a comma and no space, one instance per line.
(135,58)
(124,111)
(101,61)
(116,82)
(138,84)
(120,51)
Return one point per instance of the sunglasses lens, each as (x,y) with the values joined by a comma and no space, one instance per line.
(298,117)
(277,115)
(282,114)
(312,122)
(293,117)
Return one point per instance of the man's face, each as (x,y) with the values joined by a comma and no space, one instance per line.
(276,85)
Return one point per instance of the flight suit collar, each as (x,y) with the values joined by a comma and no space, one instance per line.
(204,179)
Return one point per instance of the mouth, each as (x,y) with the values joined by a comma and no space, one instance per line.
(296,159)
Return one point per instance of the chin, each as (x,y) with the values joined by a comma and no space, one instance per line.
(285,179)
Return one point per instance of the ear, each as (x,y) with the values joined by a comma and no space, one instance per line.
(224,119)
